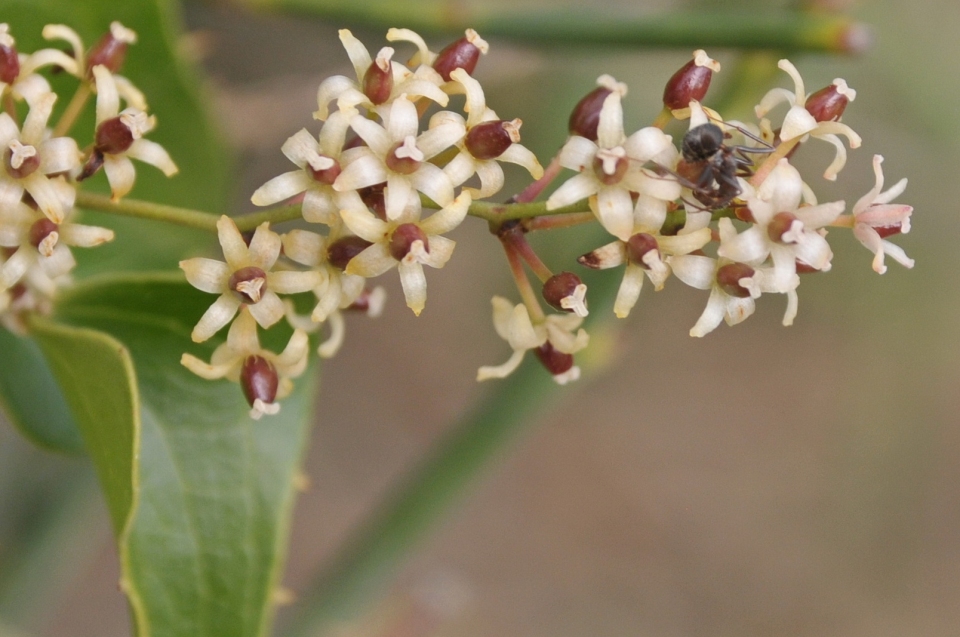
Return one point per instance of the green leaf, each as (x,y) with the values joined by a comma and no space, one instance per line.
(175,96)
(201,494)
(31,398)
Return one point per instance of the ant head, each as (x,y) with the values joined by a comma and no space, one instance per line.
(702,142)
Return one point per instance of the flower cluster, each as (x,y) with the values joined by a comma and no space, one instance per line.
(42,164)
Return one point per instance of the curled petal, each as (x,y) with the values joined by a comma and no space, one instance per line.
(336,87)
(501,371)
(460,168)
(772,99)
(364,224)
(491,179)
(712,315)
(629,291)
(522,156)
(205,370)
(120,174)
(358,54)
(332,345)
(108,99)
(441,249)
(154,154)
(35,124)
(448,218)
(301,147)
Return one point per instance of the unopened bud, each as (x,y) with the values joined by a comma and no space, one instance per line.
(828,104)
(111,50)
(566,292)
(9,62)
(372,196)
(341,251)
(489,140)
(462,54)
(259,380)
(586,114)
(378,80)
(728,278)
(403,238)
(691,82)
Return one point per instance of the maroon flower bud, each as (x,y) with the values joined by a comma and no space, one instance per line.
(326,175)
(728,278)
(780,225)
(638,246)
(341,251)
(888,231)
(248,284)
(586,114)
(403,238)
(40,230)
(489,140)
(111,50)
(828,104)
(259,380)
(404,158)
(462,54)
(690,82)
(559,287)
(372,196)
(9,63)
(113,136)
(556,362)
(378,80)
(23,164)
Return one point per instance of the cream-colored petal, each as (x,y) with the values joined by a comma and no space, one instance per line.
(694,270)
(207,275)
(268,310)
(434,183)
(35,124)
(120,174)
(108,99)
(629,291)
(614,210)
(331,89)
(476,103)
(63,32)
(358,54)
(365,170)
(73,234)
(216,316)
(522,156)
(491,179)
(373,261)
(712,315)
(376,136)
(398,195)
(292,281)
(264,247)
(610,126)
(439,138)
(414,285)
(58,155)
(321,204)
(573,190)
(46,195)
(301,147)
(501,371)
(441,249)
(205,370)
(281,188)
(448,218)
(332,345)
(308,248)
(403,121)
(460,168)
(365,225)
(232,243)
(154,154)
(578,153)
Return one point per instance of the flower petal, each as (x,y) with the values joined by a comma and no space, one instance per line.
(120,174)
(281,188)
(268,310)
(373,261)
(365,170)
(629,290)
(216,316)
(108,99)
(264,247)
(448,218)
(573,190)
(434,183)
(614,210)
(414,285)
(154,154)
(207,275)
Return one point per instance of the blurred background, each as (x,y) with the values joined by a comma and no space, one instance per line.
(763,480)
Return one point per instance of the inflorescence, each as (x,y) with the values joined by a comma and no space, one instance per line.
(723,210)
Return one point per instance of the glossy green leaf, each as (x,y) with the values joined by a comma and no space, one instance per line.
(201,494)
(175,96)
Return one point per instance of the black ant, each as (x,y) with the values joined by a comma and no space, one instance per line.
(710,168)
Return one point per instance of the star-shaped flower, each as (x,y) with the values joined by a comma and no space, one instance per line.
(245,279)
(875,218)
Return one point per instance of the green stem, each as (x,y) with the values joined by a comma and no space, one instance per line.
(207,221)
(780,29)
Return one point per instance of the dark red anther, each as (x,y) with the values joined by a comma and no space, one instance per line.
(326,175)
(489,140)
(888,231)
(248,284)
(26,168)
(372,196)
(638,246)
(259,380)
(341,251)
(40,230)
(403,238)
(828,104)
(404,165)
(585,117)
(559,287)
(728,278)
(779,225)
(111,50)
(9,64)
(462,54)
(555,361)
(690,83)
(378,80)
(113,136)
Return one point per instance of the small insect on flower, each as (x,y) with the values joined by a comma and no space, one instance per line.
(711,168)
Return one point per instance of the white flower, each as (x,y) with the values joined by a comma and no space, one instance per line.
(875,218)
(379,81)
(42,253)
(406,242)
(396,155)
(488,140)
(120,136)
(320,162)
(263,375)
(611,168)
(555,334)
(244,280)
(30,157)
(19,72)
(782,230)
(799,123)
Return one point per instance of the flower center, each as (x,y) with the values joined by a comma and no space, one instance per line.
(610,165)
(323,169)
(44,236)
(729,276)
(489,140)
(405,158)
(403,239)
(259,380)
(343,249)
(21,160)
(638,246)
(249,284)
(785,228)
(115,136)
(566,292)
